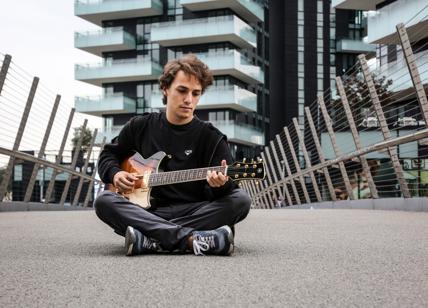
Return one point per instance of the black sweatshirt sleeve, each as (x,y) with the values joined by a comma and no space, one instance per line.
(222,152)
(120,148)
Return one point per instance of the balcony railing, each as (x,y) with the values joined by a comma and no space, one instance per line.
(240,133)
(107,104)
(382,24)
(232,62)
(232,97)
(249,10)
(204,30)
(363,5)
(118,71)
(96,11)
(107,39)
(354,46)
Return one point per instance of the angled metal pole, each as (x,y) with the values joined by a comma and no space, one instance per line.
(256,198)
(336,149)
(307,159)
(278,165)
(85,167)
(20,133)
(268,173)
(287,168)
(73,164)
(33,177)
(91,182)
(356,136)
(273,175)
(297,166)
(413,70)
(59,157)
(384,126)
(3,72)
(267,195)
(320,153)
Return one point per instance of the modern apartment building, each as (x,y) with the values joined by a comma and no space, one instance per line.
(135,40)
(310,44)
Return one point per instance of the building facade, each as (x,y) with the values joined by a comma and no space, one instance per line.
(138,37)
(310,44)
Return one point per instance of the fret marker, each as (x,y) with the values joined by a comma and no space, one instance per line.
(188,152)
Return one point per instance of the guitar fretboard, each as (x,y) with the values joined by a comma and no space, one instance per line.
(181,176)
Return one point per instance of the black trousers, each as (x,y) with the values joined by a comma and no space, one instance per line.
(171,225)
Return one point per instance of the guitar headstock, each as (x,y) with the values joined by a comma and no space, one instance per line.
(253,170)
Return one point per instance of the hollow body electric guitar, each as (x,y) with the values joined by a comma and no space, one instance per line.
(150,175)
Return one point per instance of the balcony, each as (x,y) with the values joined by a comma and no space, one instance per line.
(96,11)
(354,46)
(381,25)
(108,39)
(363,5)
(101,105)
(204,30)
(240,133)
(232,97)
(249,10)
(233,63)
(118,71)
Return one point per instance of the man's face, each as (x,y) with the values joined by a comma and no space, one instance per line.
(182,97)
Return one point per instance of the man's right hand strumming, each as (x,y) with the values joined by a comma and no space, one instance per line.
(124,181)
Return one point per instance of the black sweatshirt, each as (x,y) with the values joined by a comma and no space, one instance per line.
(197,144)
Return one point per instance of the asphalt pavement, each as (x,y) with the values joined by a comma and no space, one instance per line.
(283,258)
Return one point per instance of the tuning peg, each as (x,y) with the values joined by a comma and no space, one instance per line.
(252,160)
(259,159)
(243,160)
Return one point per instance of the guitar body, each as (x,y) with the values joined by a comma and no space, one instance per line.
(136,164)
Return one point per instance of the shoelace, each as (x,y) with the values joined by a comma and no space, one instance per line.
(148,244)
(202,244)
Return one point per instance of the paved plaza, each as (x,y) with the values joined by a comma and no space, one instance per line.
(283,258)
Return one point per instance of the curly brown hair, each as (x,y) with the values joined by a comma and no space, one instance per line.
(190,65)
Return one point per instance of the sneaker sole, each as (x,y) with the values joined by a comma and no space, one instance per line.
(129,240)
(231,239)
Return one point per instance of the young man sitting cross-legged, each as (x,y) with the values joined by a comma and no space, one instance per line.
(192,216)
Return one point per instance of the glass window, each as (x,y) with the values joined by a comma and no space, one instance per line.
(17,172)
(320,58)
(300,57)
(301,109)
(108,123)
(300,5)
(319,32)
(320,84)
(220,116)
(211,116)
(300,31)
(319,7)
(301,83)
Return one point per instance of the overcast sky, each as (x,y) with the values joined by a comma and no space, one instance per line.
(39,35)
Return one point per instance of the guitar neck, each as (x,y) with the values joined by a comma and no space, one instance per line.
(182,176)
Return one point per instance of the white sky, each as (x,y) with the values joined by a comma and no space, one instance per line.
(39,35)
